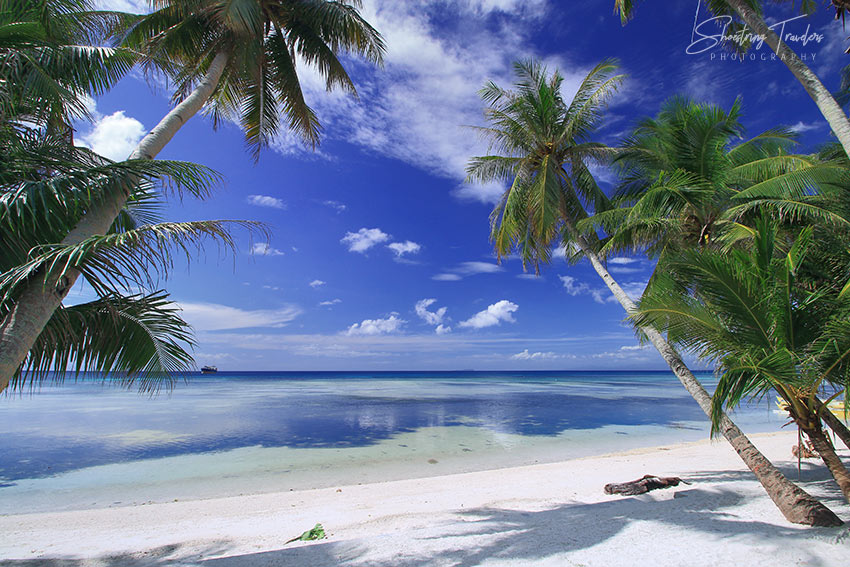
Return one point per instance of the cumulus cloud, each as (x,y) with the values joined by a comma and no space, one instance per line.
(266,201)
(330,302)
(432,317)
(525,355)
(364,239)
(621,260)
(493,315)
(113,136)
(391,324)
(217,317)
(416,107)
(406,247)
(317,283)
(573,286)
(264,249)
(487,193)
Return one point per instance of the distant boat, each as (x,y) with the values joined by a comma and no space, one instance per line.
(209,369)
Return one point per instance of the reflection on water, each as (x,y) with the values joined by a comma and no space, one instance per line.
(63,428)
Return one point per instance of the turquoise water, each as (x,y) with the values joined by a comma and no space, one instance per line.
(250,430)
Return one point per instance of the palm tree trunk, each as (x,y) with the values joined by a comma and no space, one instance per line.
(835,116)
(796,504)
(827,453)
(42,296)
(834,423)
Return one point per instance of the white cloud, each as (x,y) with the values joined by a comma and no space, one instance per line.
(364,239)
(801,127)
(114,136)
(530,276)
(406,247)
(471,268)
(391,324)
(266,201)
(493,315)
(133,6)
(217,317)
(430,317)
(431,348)
(339,207)
(635,347)
(573,287)
(467,269)
(442,329)
(625,270)
(560,252)
(525,355)
(264,249)
(329,303)
(622,260)
(487,193)
(417,108)
(446,277)
(317,283)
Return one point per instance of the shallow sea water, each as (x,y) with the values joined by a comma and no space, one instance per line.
(90,444)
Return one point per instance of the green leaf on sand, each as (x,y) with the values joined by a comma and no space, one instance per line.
(318,532)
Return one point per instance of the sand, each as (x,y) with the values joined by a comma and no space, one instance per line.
(549,514)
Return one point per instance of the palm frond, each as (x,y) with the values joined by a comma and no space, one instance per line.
(141,338)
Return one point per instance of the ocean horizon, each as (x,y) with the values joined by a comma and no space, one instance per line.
(90,443)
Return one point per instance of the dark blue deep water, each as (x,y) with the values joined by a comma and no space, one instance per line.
(61,428)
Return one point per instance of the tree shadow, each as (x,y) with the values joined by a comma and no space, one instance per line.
(527,537)
(173,554)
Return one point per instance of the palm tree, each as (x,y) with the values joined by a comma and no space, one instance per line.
(745,309)
(48,60)
(543,153)
(237,58)
(688,181)
(47,185)
(751,13)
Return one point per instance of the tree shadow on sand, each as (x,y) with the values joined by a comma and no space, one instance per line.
(159,556)
(483,534)
(528,537)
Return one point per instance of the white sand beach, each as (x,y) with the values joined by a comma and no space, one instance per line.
(548,514)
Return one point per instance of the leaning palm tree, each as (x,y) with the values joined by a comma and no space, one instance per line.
(689,177)
(751,13)
(237,59)
(543,153)
(744,308)
(46,185)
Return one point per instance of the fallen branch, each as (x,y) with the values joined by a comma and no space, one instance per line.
(643,485)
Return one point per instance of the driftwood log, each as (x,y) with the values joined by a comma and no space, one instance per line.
(643,485)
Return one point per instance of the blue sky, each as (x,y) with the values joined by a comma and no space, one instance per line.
(379,257)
